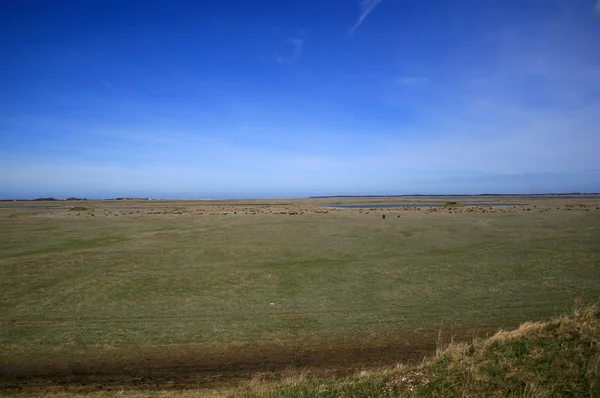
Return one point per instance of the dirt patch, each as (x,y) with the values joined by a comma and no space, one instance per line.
(186,371)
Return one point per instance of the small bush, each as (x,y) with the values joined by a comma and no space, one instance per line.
(452,204)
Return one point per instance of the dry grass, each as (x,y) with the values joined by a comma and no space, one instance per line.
(560,357)
(201,393)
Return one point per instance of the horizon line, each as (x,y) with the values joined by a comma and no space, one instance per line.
(52,199)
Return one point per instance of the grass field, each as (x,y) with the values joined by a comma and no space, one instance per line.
(189,291)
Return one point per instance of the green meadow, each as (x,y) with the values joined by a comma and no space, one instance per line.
(221,284)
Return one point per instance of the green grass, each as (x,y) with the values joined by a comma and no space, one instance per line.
(104,287)
(559,357)
(551,358)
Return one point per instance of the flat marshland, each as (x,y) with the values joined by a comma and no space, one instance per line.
(168,294)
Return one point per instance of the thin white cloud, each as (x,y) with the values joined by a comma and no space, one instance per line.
(408,80)
(366,7)
(298,44)
(109,85)
(597,8)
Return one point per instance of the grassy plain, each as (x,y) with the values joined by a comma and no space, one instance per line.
(184,292)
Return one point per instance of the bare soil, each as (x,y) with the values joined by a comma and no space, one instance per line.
(190,371)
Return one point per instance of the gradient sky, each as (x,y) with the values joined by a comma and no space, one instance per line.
(288,98)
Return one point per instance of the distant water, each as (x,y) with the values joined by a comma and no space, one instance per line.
(421,205)
(566,197)
(526,196)
(28,207)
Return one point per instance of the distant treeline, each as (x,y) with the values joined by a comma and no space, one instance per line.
(72,198)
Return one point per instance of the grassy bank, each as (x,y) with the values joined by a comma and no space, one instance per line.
(560,357)
(557,357)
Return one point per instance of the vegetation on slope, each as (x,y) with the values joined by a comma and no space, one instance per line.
(560,357)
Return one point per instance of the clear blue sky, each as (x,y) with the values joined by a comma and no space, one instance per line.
(287,98)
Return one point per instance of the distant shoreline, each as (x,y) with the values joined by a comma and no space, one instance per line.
(458,195)
(491,195)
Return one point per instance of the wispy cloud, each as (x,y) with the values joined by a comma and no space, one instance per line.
(597,8)
(366,7)
(408,80)
(107,84)
(298,46)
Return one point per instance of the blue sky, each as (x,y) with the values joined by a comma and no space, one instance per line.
(291,98)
